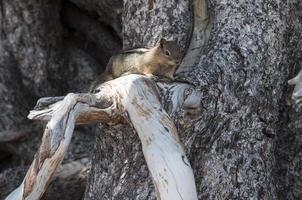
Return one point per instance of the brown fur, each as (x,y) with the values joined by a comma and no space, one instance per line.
(160,60)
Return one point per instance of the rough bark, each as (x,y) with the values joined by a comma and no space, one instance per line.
(242,72)
(244,78)
(143,25)
(30,61)
(22,77)
(40,55)
(288,171)
(33,53)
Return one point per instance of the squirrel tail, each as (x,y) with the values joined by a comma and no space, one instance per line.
(104,77)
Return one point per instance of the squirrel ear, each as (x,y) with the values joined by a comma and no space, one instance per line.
(162,42)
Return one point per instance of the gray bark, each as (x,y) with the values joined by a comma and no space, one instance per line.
(41,55)
(20,70)
(242,72)
(106,11)
(30,62)
(288,149)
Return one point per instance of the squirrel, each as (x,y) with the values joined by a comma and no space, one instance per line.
(158,61)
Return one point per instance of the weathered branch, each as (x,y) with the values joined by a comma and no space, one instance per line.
(297,81)
(67,174)
(134,94)
(183,96)
(200,35)
(56,138)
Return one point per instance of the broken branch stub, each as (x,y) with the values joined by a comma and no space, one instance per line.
(134,94)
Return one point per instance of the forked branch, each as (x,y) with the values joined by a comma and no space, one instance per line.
(134,94)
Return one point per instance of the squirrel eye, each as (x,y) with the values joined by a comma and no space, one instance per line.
(167,53)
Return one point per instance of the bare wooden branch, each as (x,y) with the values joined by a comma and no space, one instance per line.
(297,81)
(67,172)
(183,96)
(55,141)
(134,94)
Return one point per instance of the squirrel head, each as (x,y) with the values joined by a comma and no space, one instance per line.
(170,51)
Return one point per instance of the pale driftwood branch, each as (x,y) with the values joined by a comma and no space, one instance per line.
(297,93)
(55,141)
(66,173)
(183,96)
(297,81)
(134,94)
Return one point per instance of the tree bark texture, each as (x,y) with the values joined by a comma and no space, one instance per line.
(234,145)
(118,169)
(42,55)
(243,143)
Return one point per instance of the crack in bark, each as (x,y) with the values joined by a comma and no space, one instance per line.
(183,159)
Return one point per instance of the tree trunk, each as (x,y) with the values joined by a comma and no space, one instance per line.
(242,72)
(119,169)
